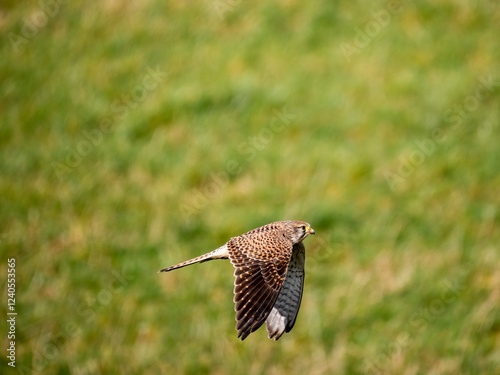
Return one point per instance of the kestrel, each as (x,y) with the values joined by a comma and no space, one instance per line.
(269,275)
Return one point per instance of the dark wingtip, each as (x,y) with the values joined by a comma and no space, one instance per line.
(243,335)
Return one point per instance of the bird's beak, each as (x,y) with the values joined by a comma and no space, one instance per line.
(311,231)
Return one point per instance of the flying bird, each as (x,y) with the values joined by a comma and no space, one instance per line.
(269,275)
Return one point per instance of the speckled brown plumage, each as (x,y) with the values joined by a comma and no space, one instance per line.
(269,275)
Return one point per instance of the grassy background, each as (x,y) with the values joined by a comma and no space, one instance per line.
(387,143)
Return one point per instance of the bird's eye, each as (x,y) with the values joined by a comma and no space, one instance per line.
(303,227)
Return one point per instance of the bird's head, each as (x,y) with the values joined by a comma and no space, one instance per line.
(299,230)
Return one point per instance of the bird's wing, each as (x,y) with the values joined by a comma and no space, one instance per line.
(260,260)
(285,310)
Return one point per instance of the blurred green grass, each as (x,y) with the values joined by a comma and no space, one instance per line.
(403,275)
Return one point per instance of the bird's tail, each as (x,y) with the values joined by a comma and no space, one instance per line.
(220,253)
